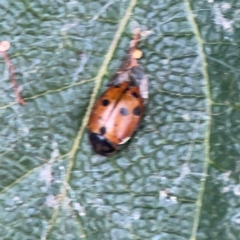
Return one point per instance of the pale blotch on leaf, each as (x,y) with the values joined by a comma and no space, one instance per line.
(46,174)
(52,201)
(55,153)
(4,46)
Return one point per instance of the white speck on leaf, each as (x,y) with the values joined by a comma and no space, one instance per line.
(225,6)
(236,218)
(45,138)
(173,199)
(162,194)
(95,159)
(225,189)
(136,215)
(219,18)
(25,130)
(44,189)
(27,145)
(186,117)
(31,211)
(236,190)
(237,18)
(17,199)
(225,176)
(79,208)
(165,61)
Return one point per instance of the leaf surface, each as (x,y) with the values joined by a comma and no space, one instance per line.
(177,178)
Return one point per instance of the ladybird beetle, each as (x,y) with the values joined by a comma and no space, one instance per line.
(116,114)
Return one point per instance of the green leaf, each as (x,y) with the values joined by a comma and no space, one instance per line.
(177,178)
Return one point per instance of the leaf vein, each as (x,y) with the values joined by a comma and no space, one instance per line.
(203,57)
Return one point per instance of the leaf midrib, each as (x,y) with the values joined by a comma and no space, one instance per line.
(202,55)
(98,80)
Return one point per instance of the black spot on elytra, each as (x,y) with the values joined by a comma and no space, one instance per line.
(137,111)
(117,86)
(123,111)
(105,102)
(135,95)
(102,130)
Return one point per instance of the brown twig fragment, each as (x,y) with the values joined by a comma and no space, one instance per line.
(12,77)
(133,53)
